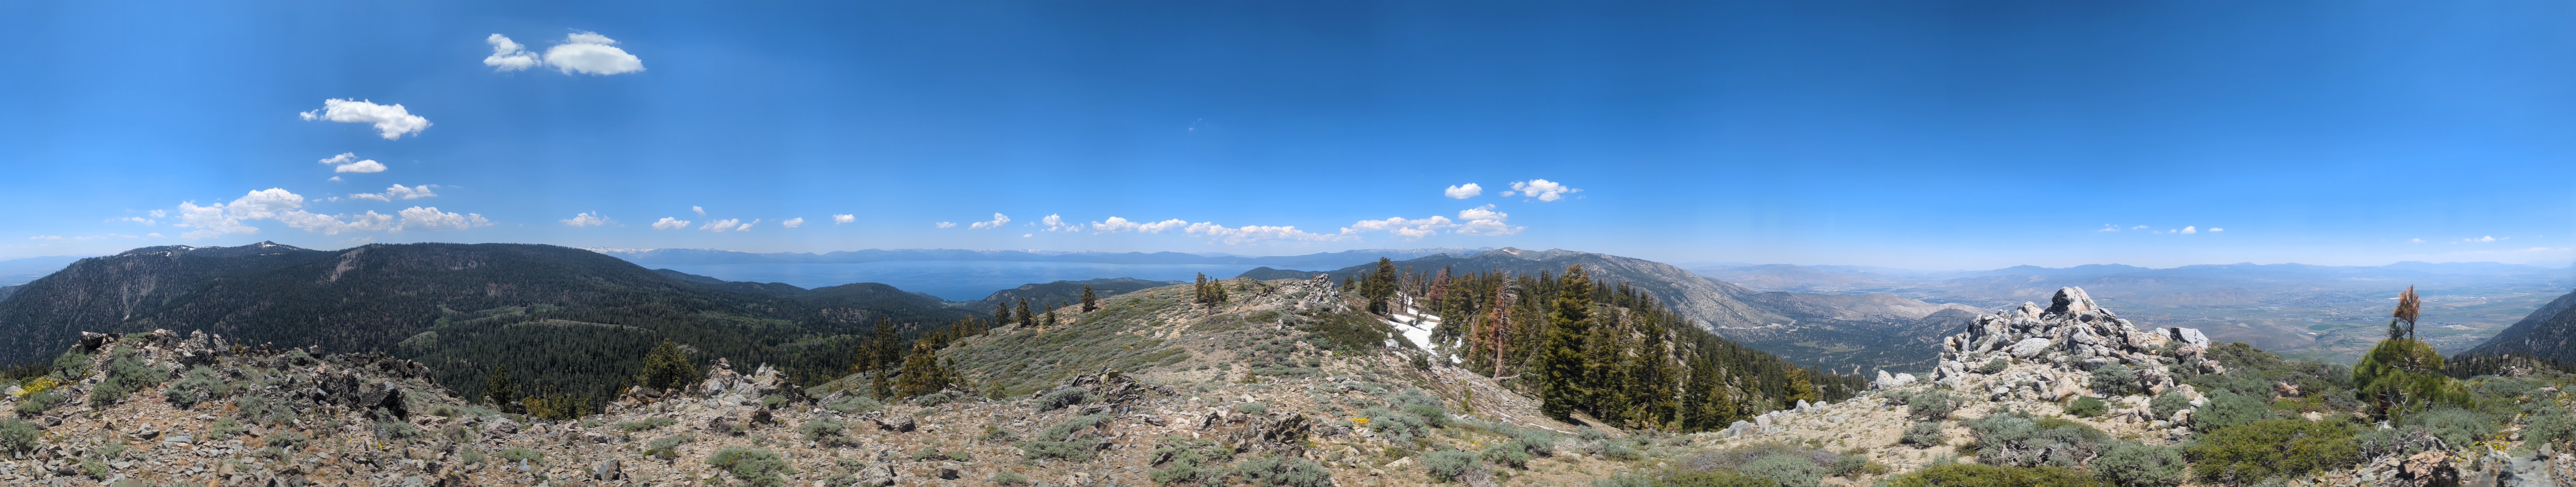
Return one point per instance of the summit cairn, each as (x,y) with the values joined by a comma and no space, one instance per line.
(2049,354)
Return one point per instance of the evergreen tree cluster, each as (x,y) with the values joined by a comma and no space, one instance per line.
(1609,351)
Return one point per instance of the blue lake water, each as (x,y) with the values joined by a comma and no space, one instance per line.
(954,280)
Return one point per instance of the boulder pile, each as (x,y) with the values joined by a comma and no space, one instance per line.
(2034,353)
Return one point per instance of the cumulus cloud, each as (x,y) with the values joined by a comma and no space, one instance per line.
(792,222)
(1055,223)
(411,193)
(368,196)
(722,225)
(1483,220)
(997,222)
(1541,189)
(701,211)
(2106,227)
(2485,239)
(944,225)
(285,207)
(1401,227)
(390,120)
(668,223)
(508,55)
(1122,225)
(2189,230)
(2139,227)
(591,53)
(2216,229)
(1463,191)
(145,221)
(840,219)
(588,219)
(349,162)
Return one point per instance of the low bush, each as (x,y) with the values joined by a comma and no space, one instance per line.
(126,374)
(752,465)
(1399,427)
(1787,470)
(39,402)
(2019,440)
(1993,366)
(2545,423)
(287,440)
(2115,379)
(2227,409)
(1932,406)
(2454,426)
(397,430)
(1059,398)
(1506,453)
(2131,464)
(827,433)
(1694,479)
(1056,442)
(1982,475)
(2087,407)
(1005,477)
(1186,460)
(645,424)
(533,457)
(199,384)
(1448,466)
(224,428)
(1252,408)
(936,398)
(1272,471)
(19,436)
(470,455)
(2165,404)
(2266,449)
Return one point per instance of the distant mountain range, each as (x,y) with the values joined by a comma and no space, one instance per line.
(2548,333)
(653,257)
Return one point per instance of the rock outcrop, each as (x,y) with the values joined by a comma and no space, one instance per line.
(2049,353)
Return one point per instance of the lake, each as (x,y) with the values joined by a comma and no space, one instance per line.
(954,280)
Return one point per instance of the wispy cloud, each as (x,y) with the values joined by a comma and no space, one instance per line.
(669,223)
(792,222)
(997,222)
(1122,225)
(588,219)
(944,225)
(840,219)
(349,162)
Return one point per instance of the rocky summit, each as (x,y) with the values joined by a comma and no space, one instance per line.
(2045,354)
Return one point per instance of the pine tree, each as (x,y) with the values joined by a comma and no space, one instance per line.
(1380,286)
(498,390)
(1198,291)
(666,367)
(1050,316)
(1089,302)
(1027,319)
(922,373)
(1001,313)
(1562,366)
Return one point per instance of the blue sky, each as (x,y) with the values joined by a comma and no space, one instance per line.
(1903,134)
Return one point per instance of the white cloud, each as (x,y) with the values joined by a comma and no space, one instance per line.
(1401,227)
(390,120)
(2485,239)
(2190,230)
(668,223)
(792,222)
(334,179)
(411,193)
(700,210)
(2414,240)
(333,225)
(2139,227)
(370,196)
(589,219)
(145,221)
(591,53)
(840,219)
(1256,233)
(508,55)
(349,162)
(1117,225)
(2216,229)
(1483,220)
(721,225)
(46,237)
(1463,191)
(998,221)
(2106,227)
(747,226)
(944,225)
(226,218)
(1543,190)
(159,213)
(153,235)
(1055,223)
(432,219)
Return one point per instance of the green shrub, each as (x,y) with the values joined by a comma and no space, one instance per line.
(1932,406)
(2273,448)
(1982,475)
(1059,450)
(936,398)
(1059,398)
(1005,477)
(2115,379)
(471,455)
(1506,453)
(2228,409)
(2545,423)
(2455,426)
(397,430)
(927,453)
(2165,404)
(827,433)
(2131,464)
(752,465)
(1287,472)
(125,374)
(224,428)
(39,402)
(533,457)
(645,424)
(2087,407)
(2403,376)
(855,404)
(1993,366)
(19,436)
(1535,441)
(1692,479)
(1398,427)
(287,440)
(1252,408)
(199,384)
(94,469)
(1431,415)
(1787,470)
(1448,466)
(1186,460)
(2019,440)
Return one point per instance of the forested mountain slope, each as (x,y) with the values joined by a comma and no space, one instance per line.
(566,320)
(2548,333)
